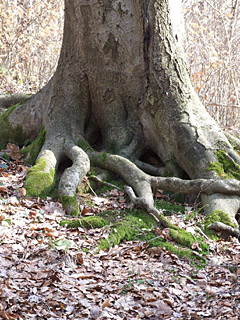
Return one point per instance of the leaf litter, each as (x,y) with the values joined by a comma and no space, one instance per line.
(50,272)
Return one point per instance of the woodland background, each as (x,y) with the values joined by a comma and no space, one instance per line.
(31,36)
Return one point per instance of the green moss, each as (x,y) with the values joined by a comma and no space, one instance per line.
(104,157)
(83,144)
(168,223)
(219,216)
(169,206)
(138,225)
(8,133)
(116,216)
(91,222)
(225,167)
(70,204)
(179,251)
(132,226)
(31,152)
(38,182)
(187,239)
(6,156)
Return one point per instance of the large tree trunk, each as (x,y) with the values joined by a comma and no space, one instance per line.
(122,86)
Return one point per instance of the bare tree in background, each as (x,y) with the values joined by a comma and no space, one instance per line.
(212,47)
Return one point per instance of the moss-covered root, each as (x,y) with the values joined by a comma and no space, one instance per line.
(40,179)
(72,177)
(187,239)
(92,222)
(70,205)
(220,221)
(129,228)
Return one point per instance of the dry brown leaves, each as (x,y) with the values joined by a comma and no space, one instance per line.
(49,272)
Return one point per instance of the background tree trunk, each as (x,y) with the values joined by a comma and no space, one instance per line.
(122,86)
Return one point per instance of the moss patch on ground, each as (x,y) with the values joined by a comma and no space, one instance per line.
(225,167)
(169,206)
(137,225)
(130,227)
(31,152)
(38,182)
(134,227)
(91,222)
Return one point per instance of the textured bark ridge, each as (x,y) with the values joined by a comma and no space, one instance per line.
(121,89)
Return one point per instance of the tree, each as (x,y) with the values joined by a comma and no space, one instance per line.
(121,89)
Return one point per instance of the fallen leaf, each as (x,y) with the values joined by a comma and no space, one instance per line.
(106,304)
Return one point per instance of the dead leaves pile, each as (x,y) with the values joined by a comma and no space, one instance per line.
(49,272)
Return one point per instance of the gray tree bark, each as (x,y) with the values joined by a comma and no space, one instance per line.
(122,86)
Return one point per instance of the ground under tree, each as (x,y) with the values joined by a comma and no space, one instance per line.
(122,89)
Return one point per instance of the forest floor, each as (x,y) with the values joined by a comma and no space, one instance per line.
(50,272)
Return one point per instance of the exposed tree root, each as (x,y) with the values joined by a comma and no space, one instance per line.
(143,184)
(234,140)
(8,100)
(208,186)
(148,168)
(221,227)
(225,202)
(72,177)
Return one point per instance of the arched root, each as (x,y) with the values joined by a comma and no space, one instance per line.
(72,176)
(133,176)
